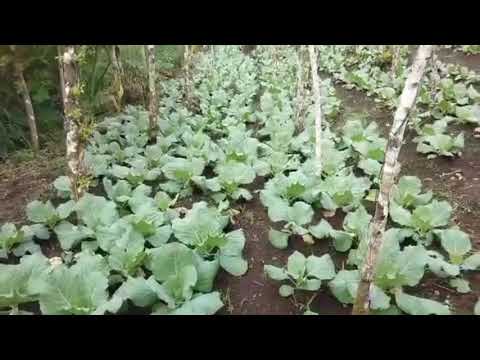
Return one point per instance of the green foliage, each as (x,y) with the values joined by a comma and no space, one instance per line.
(47,214)
(40,72)
(79,290)
(202,229)
(22,283)
(225,86)
(366,68)
(461,285)
(182,271)
(423,219)
(432,140)
(355,226)
(231,176)
(455,97)
(278,239)
(344,287)
(471,49)
(364,139)
(20,241)
(456,243)
(302,273)
(407,193)
(13,130)
(343,190)
(417,306)
(472,262)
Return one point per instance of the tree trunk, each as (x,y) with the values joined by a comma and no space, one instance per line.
(318,108)
(187,56)
(60,72)
(152,94)
(23,90)
(435,76)
(117,74)
(118,58)
(276,54)
(396,53)
(300,102)
(72,112)
(390,171)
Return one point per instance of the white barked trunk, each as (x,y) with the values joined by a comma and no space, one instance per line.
(72,113)
(187,57)
(152,93)
(396,59)
(300,95)
(435,77)
(318,108)
(390,171)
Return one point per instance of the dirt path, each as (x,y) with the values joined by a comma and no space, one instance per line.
(460,58)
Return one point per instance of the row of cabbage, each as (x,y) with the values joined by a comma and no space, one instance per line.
(421,237)
(448,95)
(126,242)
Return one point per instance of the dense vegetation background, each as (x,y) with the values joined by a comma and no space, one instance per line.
(41,74)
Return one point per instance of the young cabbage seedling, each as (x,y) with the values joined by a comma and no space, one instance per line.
(302,273)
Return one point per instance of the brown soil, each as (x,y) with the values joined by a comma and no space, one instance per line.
(456,180)
(460,58)
(253,293)
(22,181)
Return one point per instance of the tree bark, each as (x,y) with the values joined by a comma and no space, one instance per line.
(396,52)
(390,171)
(27,101)
(300,102)
(152,94)
(117,74)
(187,56)
(60,72)
(72,112)
(318,108)
(118,58)
(435,76)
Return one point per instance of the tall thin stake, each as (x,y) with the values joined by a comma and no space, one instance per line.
(390,171)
